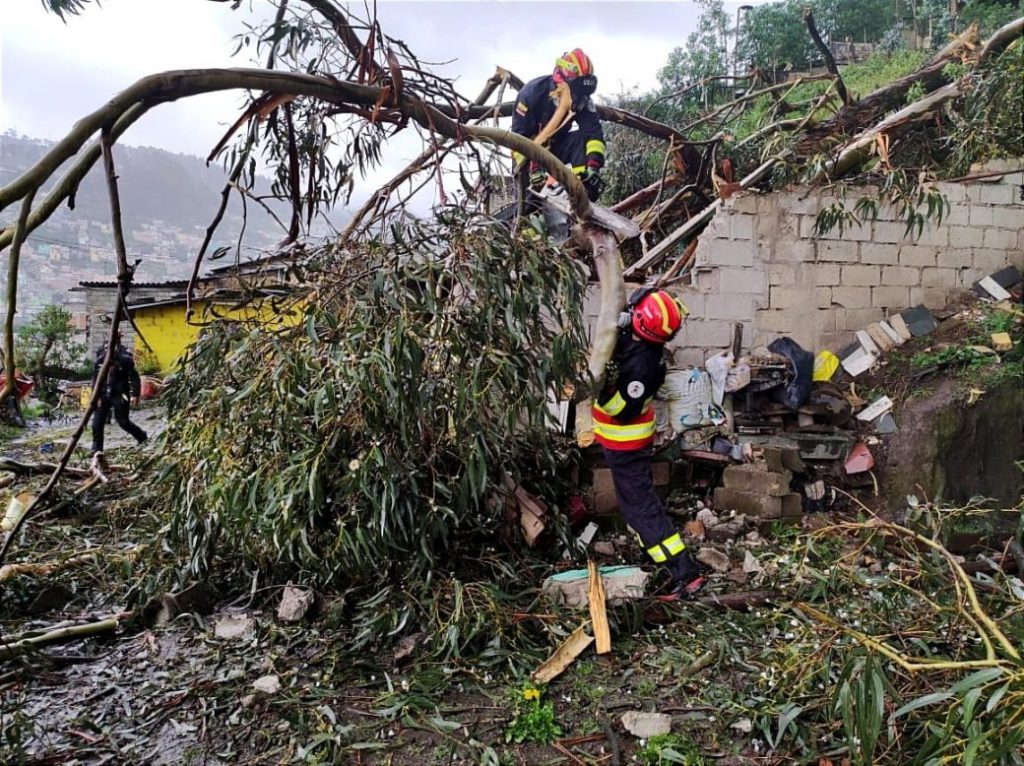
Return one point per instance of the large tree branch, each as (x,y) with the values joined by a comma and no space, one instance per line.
(830,60)
(20,232)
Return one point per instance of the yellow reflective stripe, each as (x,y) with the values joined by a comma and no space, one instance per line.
(665,326)
(517,157)
(657,554)
(624,433)
(674,545)
(613,406)
(579,169)
(595,146)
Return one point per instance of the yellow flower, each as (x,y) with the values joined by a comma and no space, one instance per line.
(531,694)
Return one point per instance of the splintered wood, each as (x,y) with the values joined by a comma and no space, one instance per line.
(598,614)
(564,655)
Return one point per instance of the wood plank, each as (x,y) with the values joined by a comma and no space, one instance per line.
(598,614)
(563,656)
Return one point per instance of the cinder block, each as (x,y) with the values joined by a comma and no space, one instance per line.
(733,252)
(858,232)
(809,204)
(965,236)
(742,281)
(952,192)
(851,298)
(945,278)
(800,251)
(889,231)
(932,297)
(782,274)
(933,235)
(737,308)
(827,274)
(1008,217)
(823,297)
(776,322)
(988,261)
(857,319)
(888,297)
(706,334)
(844,252)
(743,202)
(1001,239)
(959,215)
(781,297)
(954,258)
(872,252)
(997,194)
(859,275)
(807,229)
(742,226)
(705,279)
(981,216)
(756,504)
(902,276)
(757,479)
(917,255)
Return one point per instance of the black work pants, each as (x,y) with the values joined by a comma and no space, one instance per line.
(120,405)
(570,148)
(641,508)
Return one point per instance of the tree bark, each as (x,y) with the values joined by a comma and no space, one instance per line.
(830,60)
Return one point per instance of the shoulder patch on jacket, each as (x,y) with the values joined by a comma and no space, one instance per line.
(521,108)
(635,389)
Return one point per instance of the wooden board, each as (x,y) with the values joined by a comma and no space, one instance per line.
(598,614)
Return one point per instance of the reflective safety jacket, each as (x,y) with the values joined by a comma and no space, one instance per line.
(623,415)
(535,106)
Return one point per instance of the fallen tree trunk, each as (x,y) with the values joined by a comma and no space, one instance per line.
(17,646)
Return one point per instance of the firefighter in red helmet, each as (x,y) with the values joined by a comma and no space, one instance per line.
(624,426)
(579,142)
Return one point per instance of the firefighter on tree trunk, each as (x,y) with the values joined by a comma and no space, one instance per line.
(624,426)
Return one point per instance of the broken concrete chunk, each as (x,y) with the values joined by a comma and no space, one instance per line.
(919,320)
(695,529)
(707,517)
(993,289)
(758,504)
(295,602)
(714,558)
(867,342)
(879,407)
(860,361)
(571,588)
(900,326)
(235,626)
(860,460)
(750,563)
(730,530)
(269,684)
(1001,341)
(890,331)
(886,425)
(755,478)
(646,725)
(879,336)
(604,548)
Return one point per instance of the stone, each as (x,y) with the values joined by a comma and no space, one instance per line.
(714,558)
(880,337)
(919,320)
(900,326)
(755,478)
(750,563)
(571,588)
(269,684)
(695,530)
(723,533)
(646,725)
(235,626)
(1001,341)
(295,602)
(708,518)
(757,504)
(886,425)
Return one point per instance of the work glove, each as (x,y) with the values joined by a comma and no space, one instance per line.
(538,178)
(593,183)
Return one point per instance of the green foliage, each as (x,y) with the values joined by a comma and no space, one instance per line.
(667,749)
(704,55)
(534,720)
(363,446)
(47,345)
(914,93)
(989,15)
(988,126)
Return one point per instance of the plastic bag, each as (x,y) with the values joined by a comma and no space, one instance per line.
(801,367)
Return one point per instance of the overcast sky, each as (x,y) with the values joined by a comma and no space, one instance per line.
(52,73)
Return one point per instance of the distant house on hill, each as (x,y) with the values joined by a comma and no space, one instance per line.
(253,291)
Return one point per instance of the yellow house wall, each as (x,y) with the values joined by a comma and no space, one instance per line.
(167,332)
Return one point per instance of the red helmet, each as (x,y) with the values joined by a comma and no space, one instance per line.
(573,64)
(658,316)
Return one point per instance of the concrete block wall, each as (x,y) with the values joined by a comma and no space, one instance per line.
(759,263)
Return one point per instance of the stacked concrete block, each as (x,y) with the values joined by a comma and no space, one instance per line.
(602,487)
(756,491)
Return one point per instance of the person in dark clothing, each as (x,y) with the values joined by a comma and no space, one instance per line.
(624,426)
(579,141)
(122,388)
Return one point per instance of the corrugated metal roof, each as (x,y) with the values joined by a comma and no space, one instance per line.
(169,283)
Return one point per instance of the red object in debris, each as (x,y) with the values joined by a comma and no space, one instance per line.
(576,510)
(22,384)
(150,387)
(859,460)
